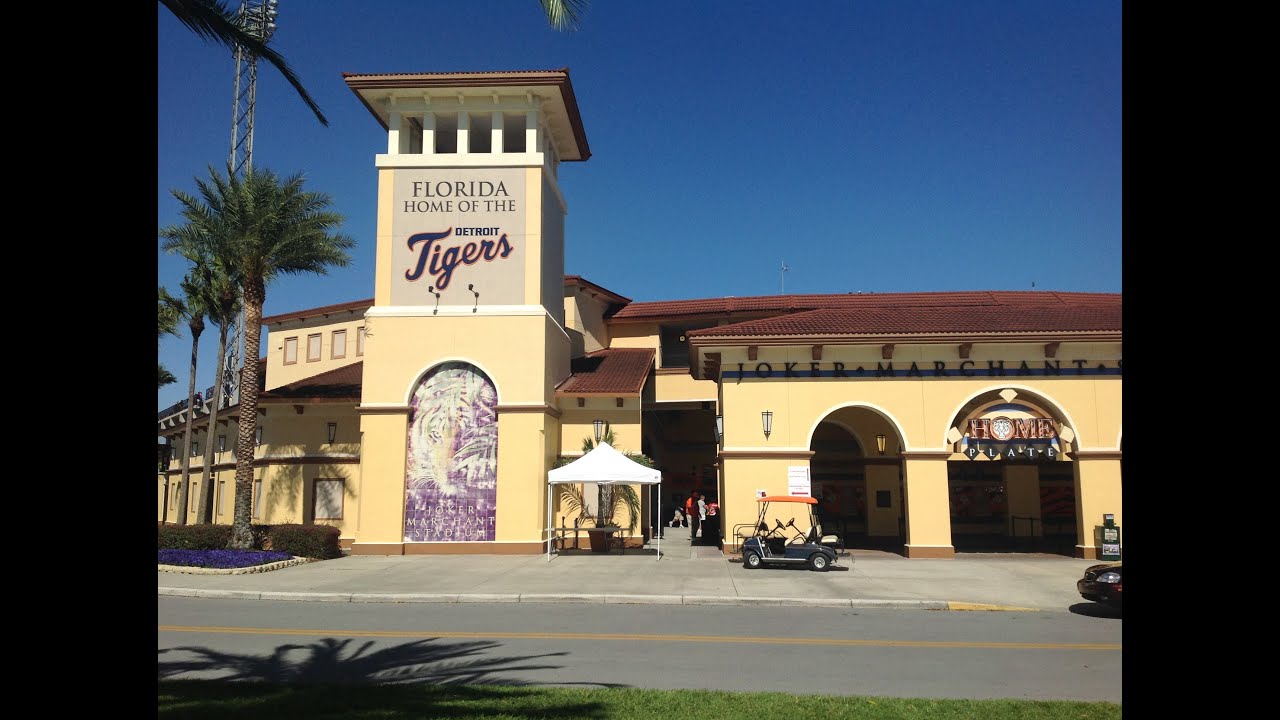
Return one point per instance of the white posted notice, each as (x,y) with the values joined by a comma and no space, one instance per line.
(798,484)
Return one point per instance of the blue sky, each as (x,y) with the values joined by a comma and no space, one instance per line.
(912,145)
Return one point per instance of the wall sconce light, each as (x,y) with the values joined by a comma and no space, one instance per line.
(880,443)
(719,428)
(333,431)
(599,427)
(472,288)
(431,289)
(222,443)
(766,418)
(258,435)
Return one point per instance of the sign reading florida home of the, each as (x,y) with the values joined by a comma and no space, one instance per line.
(454,228)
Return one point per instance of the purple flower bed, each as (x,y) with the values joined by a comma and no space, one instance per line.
(221,558)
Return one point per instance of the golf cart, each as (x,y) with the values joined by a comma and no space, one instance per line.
(787,544)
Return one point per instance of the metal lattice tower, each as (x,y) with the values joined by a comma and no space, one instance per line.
(258,18)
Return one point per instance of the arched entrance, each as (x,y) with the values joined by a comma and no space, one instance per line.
(1014,491)
(858,483)
(452,467)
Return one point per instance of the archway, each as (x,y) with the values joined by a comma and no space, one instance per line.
(452,466)
(857,481)
(1014,491)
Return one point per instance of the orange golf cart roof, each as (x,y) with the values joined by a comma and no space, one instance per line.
(788,498)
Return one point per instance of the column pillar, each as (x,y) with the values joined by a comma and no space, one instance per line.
(1097,479)
(393,133)
(495,133)
(928,505)
(428,133)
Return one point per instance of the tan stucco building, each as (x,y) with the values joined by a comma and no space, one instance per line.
(425,419)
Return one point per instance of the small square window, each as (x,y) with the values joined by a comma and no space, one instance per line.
(328,499)
(290,350)
(313,348)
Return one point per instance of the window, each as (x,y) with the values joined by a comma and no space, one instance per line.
(222,491)
(290,350)
(257,497)
(513,132)
(193,497)
(339,348)
(195,448)
(480,133)
(446,132)
(360,342)
(327,504)
(222,443)
(313,347)
(675,344)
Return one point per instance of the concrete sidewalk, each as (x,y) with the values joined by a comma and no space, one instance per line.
(685,574)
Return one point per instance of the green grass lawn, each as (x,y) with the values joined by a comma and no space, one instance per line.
(248,701)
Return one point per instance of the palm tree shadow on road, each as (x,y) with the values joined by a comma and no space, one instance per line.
(331,661)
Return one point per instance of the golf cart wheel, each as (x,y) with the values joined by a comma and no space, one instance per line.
(751,560)
(819,562)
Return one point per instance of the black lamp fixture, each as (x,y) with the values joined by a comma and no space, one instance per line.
(472,288)
(599,428)
(432,289)
(880,443)
(766,417)
(719,428)
(333,431)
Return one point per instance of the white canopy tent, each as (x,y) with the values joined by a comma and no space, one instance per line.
(603,465)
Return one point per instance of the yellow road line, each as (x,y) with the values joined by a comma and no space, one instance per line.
(638,637)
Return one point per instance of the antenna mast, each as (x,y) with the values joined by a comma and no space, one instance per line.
(784,276)
(257,18)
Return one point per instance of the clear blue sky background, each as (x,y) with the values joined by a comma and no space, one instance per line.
(881,146)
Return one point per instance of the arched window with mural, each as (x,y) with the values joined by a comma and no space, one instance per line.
(452,470)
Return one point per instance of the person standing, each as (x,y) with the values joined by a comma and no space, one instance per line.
(691,507)
(702,516)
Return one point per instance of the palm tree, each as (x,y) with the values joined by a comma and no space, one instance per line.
(168,315)
(213,21)
(193,310)
(268,227)
(611,499)
(201,244)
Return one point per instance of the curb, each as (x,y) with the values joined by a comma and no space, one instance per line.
(595,599)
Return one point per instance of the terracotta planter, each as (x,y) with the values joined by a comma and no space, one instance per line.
(600,539)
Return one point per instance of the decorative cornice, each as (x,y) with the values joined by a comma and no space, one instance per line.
(766,454)
(374,409)
(540,408)
(1095,454)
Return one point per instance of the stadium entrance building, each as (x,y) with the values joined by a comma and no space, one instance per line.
(425,419)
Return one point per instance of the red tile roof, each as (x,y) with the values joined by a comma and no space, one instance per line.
(343,382)
(579,281)
(620,371)
(356,305)
(893,313)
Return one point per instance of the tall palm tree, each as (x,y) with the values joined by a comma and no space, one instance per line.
(213,21)
(201,244)
(270,227)
(193,310)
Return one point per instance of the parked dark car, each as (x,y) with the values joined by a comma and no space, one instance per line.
(1101,584)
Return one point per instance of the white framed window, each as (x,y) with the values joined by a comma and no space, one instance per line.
(359,342)
(327,502)
(257,497)
(313,348)
(338,349)
(290,350)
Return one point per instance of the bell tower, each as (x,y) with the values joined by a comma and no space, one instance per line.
(465,342)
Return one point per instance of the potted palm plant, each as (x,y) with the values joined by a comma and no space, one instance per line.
(612,502)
